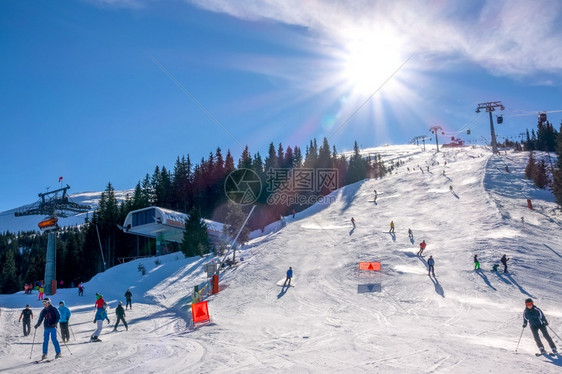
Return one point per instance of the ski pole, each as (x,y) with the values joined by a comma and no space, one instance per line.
(33,343)
(520,336)
(63,342)
(74,337)
(554,332)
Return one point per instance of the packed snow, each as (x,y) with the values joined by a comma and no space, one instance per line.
(338,319)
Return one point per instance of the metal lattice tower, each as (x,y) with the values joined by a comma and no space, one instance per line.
(52,204)
(490,107)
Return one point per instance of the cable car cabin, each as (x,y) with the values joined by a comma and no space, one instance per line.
(542,117)
(455,142)
(154,221)
(49,223)
(499,119)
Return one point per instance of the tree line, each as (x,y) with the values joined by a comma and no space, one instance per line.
(196,189)
(542,171)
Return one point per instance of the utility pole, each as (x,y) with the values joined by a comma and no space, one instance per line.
(490,107)
(435,130)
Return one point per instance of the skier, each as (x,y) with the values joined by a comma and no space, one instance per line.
(128,296)
(391,227)
(353,222)
(294,214)
(41,290)
(27,315)
(430,263)
(476,263)
(523,222)
(80,289)
(120,313)
(422,247)
(51,316)
(64,320)
(536,318)
(410,234)
(99,301)
(289,276)
(504,262)
(376,196)
(100,316)
(495,267)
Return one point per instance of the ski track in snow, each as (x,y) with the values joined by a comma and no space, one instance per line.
(411,323)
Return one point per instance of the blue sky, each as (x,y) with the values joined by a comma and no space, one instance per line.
(103,91)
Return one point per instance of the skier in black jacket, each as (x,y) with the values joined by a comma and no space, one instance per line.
(120,313)
(536,318)
(51,316)
(27,315)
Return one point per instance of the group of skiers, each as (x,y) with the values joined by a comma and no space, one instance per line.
(50,317)
(503,260)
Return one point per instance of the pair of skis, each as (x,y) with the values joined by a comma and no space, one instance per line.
(551,354)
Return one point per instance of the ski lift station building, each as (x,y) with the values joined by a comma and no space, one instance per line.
(155,222)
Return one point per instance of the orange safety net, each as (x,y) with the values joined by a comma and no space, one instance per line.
(200,312)
(375,266)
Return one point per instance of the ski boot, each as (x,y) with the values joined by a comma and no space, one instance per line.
(58,355)
(44,356)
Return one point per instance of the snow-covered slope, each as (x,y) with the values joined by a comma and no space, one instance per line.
(461,321)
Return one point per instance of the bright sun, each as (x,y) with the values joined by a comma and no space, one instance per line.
(369,62)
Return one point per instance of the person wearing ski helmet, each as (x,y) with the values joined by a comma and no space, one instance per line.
(51,316)
(537,321)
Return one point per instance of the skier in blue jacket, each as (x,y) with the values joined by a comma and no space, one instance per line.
(289,276)
(536,318)
(63,321)
(101,315)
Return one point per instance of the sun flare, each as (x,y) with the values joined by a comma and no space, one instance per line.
(369,62)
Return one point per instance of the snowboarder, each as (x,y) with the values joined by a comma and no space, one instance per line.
(504,262)
(120,313)
(51,316)
(430,263)
(536,318)
(353,222)
(422,247)
(391,227)
(289,276)
(100,316)
(128,296)
(476,263)
(410,234)
(64,320)
(27,315)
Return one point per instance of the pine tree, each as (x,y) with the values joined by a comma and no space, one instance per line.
(195,237)
(539,174)
(557,172)
(234,219)
(9,280)
(531,166)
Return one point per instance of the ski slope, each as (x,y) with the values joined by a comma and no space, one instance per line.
(461,321)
